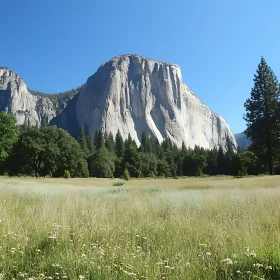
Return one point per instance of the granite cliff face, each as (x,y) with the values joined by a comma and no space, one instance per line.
(16,99)
(134,94)
(129,93)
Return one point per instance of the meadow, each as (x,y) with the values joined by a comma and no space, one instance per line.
(186,228)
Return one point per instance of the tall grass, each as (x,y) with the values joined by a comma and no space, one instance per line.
(215,228)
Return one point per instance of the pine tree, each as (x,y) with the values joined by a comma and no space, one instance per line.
(149,146)
(96,135)
(119,148)
(143,147)
(229,155)
(90,143)
(221,166)
(82,141)
(262,114)
(156,147)
(110,143)
(128,142)
(100,142)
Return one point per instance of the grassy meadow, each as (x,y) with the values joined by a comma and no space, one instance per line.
(192,228)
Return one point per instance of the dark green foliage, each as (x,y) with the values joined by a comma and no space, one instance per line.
(221,161)
(212,162)
(143,145)
(194,164)
(245,163)
(131,158)
(126,175)
(146,143)
(101,163)
(47,151)
(90,144)
(67,174)
(119,148)
(228,156)
(148,165)
(156,148)
(163,168)
(118,184)
(82,141)
(262,115)
(110,143)
(8,134)
(99,140)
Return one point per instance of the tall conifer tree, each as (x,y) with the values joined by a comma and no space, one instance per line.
(82,141)
(262,114)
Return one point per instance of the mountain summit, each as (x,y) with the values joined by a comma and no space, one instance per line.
(135,94)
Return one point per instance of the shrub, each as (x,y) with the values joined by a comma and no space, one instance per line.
(67,174)
(118,184)
(126,175)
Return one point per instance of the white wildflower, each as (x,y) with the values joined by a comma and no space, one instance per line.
(227,261)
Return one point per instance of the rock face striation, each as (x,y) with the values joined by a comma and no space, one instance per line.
(129,93)
(16,99)
(135,94)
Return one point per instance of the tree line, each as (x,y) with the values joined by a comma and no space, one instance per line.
(53,152)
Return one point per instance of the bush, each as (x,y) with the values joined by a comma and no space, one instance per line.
(126,175)
(118,184)
(67,174)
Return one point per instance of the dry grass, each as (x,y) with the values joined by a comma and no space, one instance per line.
(193,228)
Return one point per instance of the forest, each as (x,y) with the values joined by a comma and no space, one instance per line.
(53,152)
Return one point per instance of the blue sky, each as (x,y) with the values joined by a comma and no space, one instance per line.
(55,45)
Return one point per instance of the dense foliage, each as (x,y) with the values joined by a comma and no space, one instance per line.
(46,151)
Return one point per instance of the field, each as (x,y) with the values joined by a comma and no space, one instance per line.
(192,228)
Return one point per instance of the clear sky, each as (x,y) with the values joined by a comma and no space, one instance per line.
(55,45)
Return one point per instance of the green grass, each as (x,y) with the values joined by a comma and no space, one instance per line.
(192,228)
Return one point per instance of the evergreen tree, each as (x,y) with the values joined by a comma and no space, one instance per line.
(194,164)
(119,148)
(90,144)
(131,158)
(128,142)
(143,146)
(228,157)
(82,141)
(221,162)
(163,168)
(126,175)
(96,135)
(262,114)
(148,164)
(110,143)
(149,145)
(101,163)
(100,142)
(212,162)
